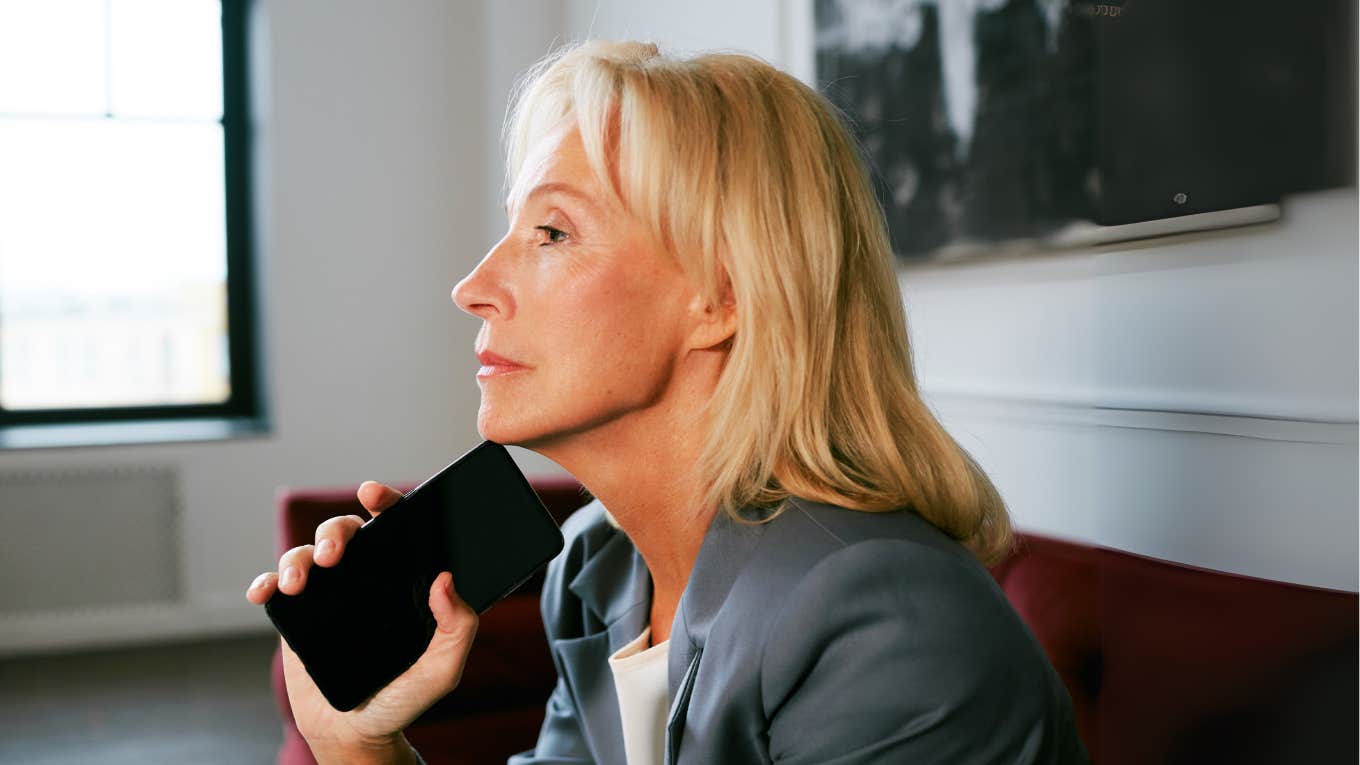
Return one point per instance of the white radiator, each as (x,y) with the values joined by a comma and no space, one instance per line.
(92,538)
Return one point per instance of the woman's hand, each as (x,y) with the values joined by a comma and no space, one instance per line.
(371,732)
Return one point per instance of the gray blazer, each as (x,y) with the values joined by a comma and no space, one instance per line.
(823,636)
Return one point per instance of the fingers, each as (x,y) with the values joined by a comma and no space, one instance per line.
(293,568)
(377,497)
(332,536)
(262,589)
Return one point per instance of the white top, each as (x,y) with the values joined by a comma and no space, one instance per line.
(641,680)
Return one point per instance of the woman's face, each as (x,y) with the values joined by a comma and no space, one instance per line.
(584,319)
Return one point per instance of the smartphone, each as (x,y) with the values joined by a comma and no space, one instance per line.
(361,623)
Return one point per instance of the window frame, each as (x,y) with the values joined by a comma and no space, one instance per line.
(244,410)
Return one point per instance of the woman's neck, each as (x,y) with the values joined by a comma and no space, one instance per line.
(645,471)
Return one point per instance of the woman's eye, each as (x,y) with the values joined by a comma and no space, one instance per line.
(555,235)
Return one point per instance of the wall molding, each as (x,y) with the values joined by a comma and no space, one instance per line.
(1183,402)
(1070,411)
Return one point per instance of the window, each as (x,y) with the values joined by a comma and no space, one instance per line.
(125,270)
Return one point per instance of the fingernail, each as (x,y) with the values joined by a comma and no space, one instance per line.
(325,547)
(290,575)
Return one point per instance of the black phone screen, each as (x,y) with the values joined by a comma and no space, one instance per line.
(362,622)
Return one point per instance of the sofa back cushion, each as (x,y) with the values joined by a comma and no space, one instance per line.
(1174,664)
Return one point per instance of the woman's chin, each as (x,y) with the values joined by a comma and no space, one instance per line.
(510,431)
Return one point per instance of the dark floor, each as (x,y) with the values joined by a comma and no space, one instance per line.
(206,702)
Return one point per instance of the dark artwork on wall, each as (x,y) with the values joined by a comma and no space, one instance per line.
(989,120)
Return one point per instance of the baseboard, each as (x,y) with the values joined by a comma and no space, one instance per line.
(100,628)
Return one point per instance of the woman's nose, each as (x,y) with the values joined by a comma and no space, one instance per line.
(480,293)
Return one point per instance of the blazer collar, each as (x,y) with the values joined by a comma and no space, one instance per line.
(625,611)
(724,553)
(597,583)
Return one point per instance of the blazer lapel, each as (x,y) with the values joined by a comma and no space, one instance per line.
(585,660)
(675,722)
(726,548)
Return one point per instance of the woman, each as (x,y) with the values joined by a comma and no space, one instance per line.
(694,312)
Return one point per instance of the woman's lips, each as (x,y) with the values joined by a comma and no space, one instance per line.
(494,365)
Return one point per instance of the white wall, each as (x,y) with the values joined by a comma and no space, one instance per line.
(752,26)
(1189,398)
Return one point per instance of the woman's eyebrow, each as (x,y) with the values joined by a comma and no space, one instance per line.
(557,187)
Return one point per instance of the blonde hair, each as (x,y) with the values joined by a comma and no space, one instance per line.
(750,179)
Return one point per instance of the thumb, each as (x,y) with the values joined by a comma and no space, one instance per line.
(454,617)
(439,669)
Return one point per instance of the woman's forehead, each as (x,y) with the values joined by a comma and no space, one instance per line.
(557,163)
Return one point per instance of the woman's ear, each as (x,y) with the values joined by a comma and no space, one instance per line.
(714,323)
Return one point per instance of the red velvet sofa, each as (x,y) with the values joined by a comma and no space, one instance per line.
(1165,663)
